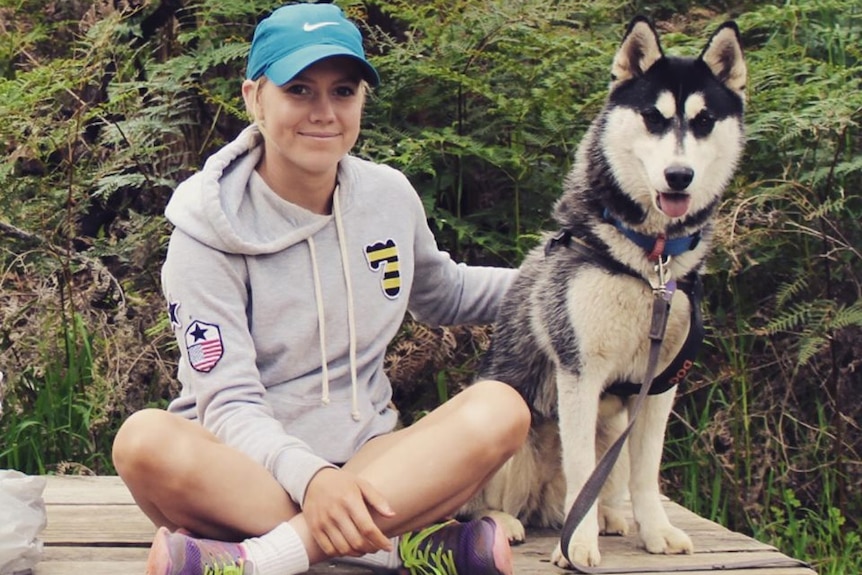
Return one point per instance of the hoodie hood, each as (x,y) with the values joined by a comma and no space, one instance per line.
(218,207)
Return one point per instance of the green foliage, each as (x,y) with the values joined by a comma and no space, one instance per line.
(805,532)
(775,418)
(53,418)
(482,104)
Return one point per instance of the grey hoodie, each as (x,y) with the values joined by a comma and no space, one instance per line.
(283,316)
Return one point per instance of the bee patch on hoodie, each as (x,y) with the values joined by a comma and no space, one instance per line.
(384,256)
(204,345)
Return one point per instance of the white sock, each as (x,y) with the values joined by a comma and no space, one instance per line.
(382,559)
(279,552)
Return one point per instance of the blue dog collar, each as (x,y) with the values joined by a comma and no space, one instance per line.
(672,247)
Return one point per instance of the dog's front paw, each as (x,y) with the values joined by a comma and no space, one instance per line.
(510,525)
(666,540)
(580,552)
(612,521)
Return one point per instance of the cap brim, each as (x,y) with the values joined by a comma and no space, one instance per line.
(284,70)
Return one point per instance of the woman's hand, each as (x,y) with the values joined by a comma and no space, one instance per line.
(338,507)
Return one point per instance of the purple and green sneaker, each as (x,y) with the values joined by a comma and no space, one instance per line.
(181,554)
(478,547)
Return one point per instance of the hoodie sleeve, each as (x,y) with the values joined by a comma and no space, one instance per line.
(449,293)
(208,300)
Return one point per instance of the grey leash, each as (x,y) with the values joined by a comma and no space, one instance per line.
(590,490)
(700,568)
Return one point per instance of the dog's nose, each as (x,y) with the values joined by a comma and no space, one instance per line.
(678,177)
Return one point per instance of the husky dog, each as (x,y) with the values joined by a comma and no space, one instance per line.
(572,333)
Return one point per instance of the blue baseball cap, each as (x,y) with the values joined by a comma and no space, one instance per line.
(295,36)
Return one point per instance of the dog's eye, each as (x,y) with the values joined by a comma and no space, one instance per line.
(654,120)
(702,124)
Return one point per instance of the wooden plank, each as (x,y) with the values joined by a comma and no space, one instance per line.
(624,555)
(85,490)
(61,560)
(132,561)
(77,554)
(94,527)
(707,535)
(91,568)
(105,524)
(704,542)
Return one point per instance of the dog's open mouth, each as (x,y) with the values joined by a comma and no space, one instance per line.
(673,204)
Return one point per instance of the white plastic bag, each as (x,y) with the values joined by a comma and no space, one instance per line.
(22,518)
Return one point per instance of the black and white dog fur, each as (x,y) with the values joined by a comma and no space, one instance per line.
(653,165)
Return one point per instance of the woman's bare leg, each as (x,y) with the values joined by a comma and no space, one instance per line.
(181,475)
(430,469)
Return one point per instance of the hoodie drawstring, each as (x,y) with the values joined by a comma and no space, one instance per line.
(321,323)
(351,322)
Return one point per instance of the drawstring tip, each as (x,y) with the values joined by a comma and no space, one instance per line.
(324,400)
(355,415)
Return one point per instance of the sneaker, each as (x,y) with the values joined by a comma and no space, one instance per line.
(179,554)
(478,547)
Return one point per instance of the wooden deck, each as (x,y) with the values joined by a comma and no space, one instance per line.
(95,528)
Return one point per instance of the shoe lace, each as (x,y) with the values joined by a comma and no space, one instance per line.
(223,570)
(219,561)
(422,557)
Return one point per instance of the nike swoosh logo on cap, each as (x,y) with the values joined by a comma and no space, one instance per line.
(312,27)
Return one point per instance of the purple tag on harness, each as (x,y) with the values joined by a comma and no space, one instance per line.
(667,292)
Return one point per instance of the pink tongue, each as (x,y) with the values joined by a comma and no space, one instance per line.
(674,205)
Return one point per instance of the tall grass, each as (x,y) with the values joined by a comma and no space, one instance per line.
(706,471)
(49,420)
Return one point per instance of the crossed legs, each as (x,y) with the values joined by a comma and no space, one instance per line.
(182,476)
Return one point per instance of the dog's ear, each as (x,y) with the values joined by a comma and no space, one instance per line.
(723,55)
(640,50)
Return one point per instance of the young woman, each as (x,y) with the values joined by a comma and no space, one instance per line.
(290,268)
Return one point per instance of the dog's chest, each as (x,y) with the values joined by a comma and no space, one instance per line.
(611,317)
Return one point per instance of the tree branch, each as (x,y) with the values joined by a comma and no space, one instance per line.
(11,231)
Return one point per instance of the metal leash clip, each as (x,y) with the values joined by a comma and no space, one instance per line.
(666,286)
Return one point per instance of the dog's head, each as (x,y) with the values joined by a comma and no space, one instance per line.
(672,130)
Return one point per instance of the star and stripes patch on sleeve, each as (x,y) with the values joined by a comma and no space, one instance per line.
(204,345)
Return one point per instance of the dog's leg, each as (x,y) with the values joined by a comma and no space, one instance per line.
(613,418)
(646,442)
(509,491)
(511,525)
(578,410)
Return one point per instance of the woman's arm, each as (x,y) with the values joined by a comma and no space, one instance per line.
(208,297)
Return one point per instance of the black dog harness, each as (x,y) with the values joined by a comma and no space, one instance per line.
(675,373)
(691,285)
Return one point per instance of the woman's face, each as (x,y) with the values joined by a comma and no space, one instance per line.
(312,121)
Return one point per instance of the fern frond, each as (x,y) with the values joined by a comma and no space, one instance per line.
(849,316)
(831,206)
(229,53)
(809,347)
(790,290)
(797,315)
